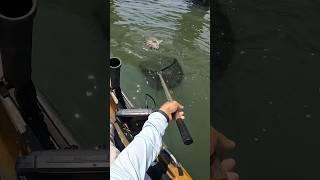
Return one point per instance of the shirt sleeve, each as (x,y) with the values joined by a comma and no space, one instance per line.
(135,159)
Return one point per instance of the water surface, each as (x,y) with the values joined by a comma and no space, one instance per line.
(69,65)
(267,98)
(184,29)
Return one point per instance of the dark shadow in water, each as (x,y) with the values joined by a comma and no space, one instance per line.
(69,46)
(202,3)
(222,51)
(223,41)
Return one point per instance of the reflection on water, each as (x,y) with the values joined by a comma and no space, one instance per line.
(267,99)
(184,29)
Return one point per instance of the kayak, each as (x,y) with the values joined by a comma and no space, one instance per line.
(22,157)
(35,143)
(166,165)
(128,121)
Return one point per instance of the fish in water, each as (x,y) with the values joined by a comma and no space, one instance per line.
(152,43)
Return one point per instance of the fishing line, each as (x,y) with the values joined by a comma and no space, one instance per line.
(146,101)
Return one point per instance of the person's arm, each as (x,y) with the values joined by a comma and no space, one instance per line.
(135,159)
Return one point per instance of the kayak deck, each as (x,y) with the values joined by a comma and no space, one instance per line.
(166,168)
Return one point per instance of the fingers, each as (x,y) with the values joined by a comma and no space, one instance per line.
(176,106)
(213,140)
(228,164)
(222,144)
(232,176)
(180,115)
(179,105)
(173,108)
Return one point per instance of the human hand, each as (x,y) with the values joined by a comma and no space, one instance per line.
(220,145)
(173,108)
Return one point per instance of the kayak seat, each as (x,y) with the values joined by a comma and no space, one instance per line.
(133,118)
(141,114)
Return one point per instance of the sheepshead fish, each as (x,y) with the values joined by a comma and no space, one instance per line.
(152,43)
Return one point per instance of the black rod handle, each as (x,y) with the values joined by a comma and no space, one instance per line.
(184,132)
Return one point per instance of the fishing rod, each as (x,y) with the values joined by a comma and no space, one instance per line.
(184,132)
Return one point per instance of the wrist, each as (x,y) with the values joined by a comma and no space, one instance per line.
(164,114)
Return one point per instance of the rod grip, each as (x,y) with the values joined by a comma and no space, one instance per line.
(184,132)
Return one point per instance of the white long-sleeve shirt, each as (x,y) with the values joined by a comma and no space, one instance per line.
(133,162)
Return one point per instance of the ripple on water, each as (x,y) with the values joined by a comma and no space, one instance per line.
(91,77)
(308,115)
(77,115)
(89,93)
(243,52)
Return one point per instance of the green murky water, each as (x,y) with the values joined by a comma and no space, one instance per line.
(69,65)
(267,99)
(184,29)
